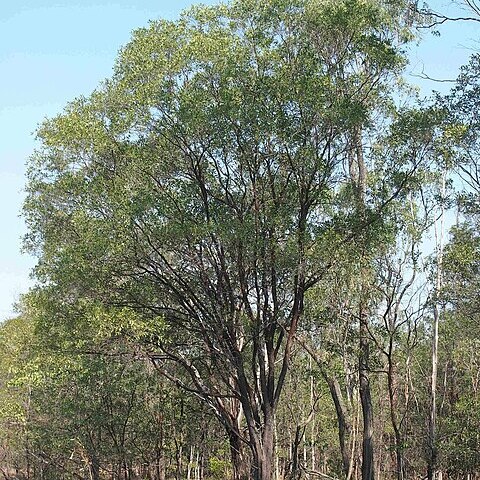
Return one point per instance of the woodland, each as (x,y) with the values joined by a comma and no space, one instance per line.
(258,258)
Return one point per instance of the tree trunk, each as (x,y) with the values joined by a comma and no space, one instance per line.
(95,468)
(400,463)
(294,472)
(392,395)
(366,400)
(432,443)
(267,452)
(344,426)
(263,452)
(358,174)
(432,430)
(240,463)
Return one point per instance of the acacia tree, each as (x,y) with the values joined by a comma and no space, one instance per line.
(207,185)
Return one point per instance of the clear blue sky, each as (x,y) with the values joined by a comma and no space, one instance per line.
(52,51)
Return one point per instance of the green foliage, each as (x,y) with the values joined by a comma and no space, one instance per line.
(241,183)
(218,468)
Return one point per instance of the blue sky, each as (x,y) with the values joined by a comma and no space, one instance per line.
(52,51)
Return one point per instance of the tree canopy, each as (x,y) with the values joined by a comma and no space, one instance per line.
(207,221)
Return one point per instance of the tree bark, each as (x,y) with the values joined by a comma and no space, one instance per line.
(358,174)
(366,401)
(344,426)
(240,463)
(432,430)
(392,387)
(263,450)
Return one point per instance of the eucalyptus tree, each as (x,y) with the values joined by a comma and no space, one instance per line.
(459,292)
(214,180)
(458,441)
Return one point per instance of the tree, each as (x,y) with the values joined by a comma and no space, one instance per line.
(15,443)
(205,188)
(459,294)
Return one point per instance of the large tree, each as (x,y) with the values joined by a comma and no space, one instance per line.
(214,180)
